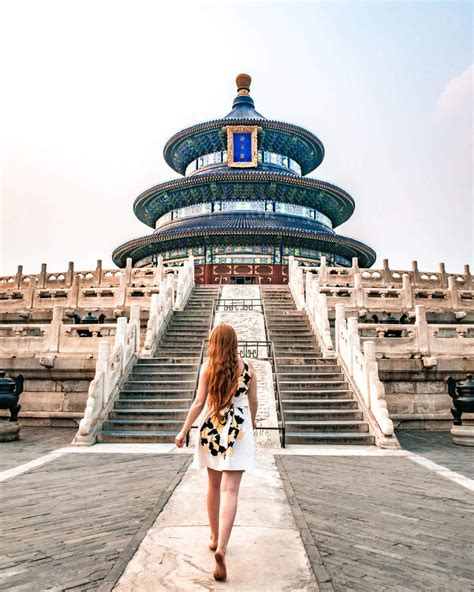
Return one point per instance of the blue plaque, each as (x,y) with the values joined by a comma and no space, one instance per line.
(242,147)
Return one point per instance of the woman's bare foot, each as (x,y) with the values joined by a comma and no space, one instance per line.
(220,571)
(213,543)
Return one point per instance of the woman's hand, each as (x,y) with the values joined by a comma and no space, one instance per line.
(179,439)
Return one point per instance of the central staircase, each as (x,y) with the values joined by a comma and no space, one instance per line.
(156,396)
(318,405)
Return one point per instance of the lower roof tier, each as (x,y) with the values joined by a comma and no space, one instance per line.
(243,229)
(324,197)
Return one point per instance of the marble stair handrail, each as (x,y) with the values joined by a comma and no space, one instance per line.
(112,369)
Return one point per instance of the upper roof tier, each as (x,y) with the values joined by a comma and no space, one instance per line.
(275,136)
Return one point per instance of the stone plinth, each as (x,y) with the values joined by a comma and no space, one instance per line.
(9,431)
(463,435)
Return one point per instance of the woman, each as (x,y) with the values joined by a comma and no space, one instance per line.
(225,445)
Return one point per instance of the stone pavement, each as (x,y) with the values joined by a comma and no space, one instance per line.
(439,447)
(68,524)
(123,517)
(383,522)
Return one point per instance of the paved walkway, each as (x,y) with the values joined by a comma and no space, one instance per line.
(384,523)
(310,517)
(265,551)
(69,524)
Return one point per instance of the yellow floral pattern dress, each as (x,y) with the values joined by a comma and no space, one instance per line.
(228,444)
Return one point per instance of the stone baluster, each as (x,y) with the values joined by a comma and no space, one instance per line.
(442,276)
(354,340)
(340,320)
(467,276)
(371,365)
(19,276)
(55,329)
(102,366)
(453,292)
(98,273)
(30,294)
(122,291)
(135,320)
(386,273)
(355,269)
(70,274)
(170,287)
(73,294)
(422,330)
(42,276)
(159,271)
(416,273)
(359,290)
(407,292)
(322,272)
(128,271)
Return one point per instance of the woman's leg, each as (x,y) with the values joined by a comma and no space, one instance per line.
(213,502)
(229,494)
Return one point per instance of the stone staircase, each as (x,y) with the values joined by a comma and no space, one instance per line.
(155,399)
(318,405)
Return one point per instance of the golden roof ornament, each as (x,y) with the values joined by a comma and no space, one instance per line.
(243,82)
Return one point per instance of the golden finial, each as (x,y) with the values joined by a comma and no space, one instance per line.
(243,84)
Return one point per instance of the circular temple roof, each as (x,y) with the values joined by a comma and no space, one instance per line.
(224,228)
(324,197)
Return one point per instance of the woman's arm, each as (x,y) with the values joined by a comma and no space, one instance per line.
(195,409)
(252,394)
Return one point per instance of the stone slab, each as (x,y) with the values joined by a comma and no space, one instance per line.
(75,522)
(265,552)
(384,523)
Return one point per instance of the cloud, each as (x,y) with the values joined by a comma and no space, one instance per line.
(456,98)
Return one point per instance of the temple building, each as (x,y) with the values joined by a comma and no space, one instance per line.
(244,203)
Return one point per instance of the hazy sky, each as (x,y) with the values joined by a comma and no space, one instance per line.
(93,89)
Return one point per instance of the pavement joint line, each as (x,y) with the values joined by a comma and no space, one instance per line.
(32,464)
(108,583)
(318,566)
(442,471)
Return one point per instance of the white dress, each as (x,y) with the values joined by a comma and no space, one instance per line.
(229,446)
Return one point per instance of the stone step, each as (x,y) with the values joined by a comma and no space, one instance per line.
(174,352)
(168,376)
(148,385)
(323,425)
(335,415)
(136,436)
(285,376)
(143,425)
(318,402)
(307,385)
(149,364)
(152,403)
(304,365)
(329,438)
(172,359)
(156,393)
(149,414)
(315,394)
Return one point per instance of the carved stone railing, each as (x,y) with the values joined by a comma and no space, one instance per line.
(112,368)
(361,369)
(185,283)
(420,339)
(317,311)
(161,309)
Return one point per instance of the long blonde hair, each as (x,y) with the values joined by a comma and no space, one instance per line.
(222,368)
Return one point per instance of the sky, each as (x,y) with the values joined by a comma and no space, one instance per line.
(93,90)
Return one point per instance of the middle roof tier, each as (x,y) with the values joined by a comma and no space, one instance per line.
(328,199)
